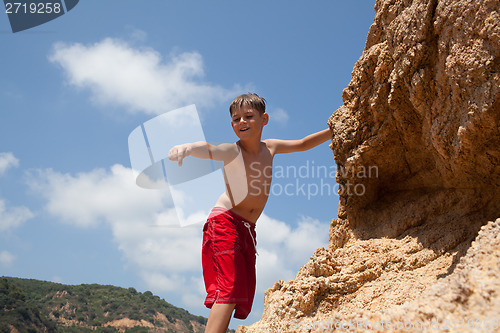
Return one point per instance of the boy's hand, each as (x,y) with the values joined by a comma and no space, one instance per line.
(177,153)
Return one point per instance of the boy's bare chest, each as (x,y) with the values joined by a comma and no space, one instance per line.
(249,177)
(259,169)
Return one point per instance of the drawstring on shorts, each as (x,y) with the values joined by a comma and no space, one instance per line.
(246,224)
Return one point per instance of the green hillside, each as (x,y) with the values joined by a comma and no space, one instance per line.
(40,306)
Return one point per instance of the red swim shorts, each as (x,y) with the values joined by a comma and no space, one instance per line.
(228,259)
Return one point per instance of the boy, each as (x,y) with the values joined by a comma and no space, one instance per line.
(228,254)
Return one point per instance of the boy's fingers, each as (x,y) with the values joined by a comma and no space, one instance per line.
(172,154)
(178,154)
(180,157)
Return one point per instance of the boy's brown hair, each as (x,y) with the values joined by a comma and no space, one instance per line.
(254,100)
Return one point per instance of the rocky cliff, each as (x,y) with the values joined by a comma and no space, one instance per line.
(417,145)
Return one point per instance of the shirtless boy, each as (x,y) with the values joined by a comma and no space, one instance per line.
(228,253)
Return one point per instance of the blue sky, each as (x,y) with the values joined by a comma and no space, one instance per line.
(73,89)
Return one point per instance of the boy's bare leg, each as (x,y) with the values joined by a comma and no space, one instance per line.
(219,317)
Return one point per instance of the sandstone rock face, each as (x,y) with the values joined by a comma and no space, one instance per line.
(417,145)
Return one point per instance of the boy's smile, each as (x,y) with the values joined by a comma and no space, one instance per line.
(247,122)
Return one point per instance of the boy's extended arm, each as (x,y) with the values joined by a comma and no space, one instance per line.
(290,146)
(200,149)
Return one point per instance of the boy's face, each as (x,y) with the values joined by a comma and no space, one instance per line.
(248,122)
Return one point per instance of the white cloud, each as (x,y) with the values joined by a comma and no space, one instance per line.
(161,282)
(7,161)
(6,258)
(284,249)
(137,34)
(142,222)
(195,296)
(12,217)
(279,116)
(168,259)
(309,235)
(138,78)
(97,196)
